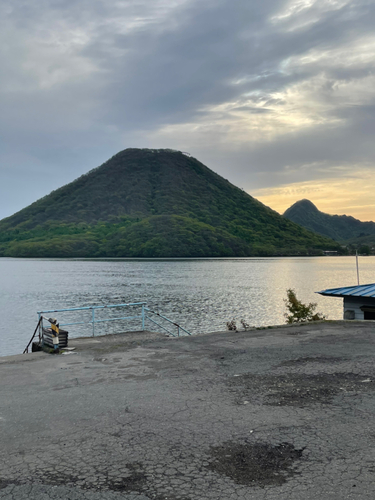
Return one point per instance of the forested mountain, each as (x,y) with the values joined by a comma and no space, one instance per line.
(342,228)
(152,203)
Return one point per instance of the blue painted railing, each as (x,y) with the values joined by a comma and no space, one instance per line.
(143,316)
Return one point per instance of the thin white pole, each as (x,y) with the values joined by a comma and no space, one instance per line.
(356,258)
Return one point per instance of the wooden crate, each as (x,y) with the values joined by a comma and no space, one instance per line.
(48,337)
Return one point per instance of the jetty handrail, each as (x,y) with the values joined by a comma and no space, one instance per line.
(143,316)
(93,309)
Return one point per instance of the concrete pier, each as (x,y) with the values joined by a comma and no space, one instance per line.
(284,413)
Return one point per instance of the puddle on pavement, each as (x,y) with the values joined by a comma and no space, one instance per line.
(255,464)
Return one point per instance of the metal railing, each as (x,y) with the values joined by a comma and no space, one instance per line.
(95,320)
(143,317)
(179,327)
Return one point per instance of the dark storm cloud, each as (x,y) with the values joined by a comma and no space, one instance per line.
(168,77)
(263,87)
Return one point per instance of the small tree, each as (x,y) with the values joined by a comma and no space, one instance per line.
(299,312)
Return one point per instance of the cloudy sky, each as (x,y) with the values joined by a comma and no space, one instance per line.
(277,96)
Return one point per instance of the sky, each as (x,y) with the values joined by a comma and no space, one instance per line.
(276,96)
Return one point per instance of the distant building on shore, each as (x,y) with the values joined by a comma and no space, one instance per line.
(359,300)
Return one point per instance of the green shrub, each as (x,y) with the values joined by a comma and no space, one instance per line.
(299,312)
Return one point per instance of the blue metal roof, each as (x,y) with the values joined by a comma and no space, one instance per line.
(354,291)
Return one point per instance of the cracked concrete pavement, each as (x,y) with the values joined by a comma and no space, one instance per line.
(283,413)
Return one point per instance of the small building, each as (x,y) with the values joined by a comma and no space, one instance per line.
(359,300)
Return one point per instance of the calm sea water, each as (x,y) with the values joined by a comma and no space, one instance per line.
(200,294)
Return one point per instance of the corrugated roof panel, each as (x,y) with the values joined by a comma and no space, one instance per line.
(355,291)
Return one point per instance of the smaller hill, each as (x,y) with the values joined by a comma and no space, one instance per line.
(342,228)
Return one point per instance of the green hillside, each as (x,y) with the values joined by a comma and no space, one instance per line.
(342,228)
(153,203)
